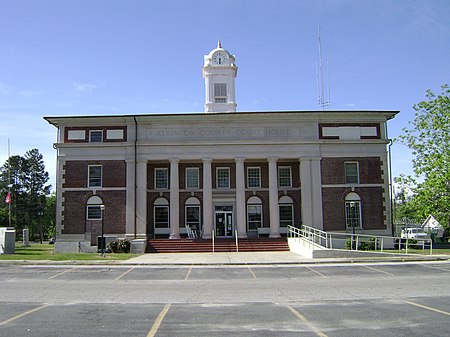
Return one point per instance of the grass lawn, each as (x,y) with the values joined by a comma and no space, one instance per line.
(45,252)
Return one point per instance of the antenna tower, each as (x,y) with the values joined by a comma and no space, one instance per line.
(323,100)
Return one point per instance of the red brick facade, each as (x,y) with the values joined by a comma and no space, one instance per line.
(76,199)
(372,197)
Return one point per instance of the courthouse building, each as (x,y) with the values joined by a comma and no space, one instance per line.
(222,172)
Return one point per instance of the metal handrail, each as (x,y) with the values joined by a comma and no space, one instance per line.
(317,237)
(237,244)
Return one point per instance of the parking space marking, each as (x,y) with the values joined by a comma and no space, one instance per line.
(59,274)
(158,321)
(23,314)
(378,270)
(188,273)
(251,272)
(307,323)
(317,272)
(123,274)
(434,267)
(428,308)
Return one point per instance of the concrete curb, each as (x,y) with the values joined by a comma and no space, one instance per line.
(125,263)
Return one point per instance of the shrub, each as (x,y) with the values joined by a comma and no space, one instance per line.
(120,246)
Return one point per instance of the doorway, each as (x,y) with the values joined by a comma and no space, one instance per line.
(223,223)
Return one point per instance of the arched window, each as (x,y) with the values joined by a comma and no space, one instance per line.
(286,209)
(254,213)
(94,211)
(353,211)
(192,213)
(161,213)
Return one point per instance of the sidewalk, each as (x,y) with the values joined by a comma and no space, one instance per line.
(261,258)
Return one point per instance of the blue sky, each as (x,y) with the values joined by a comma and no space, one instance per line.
(99,57)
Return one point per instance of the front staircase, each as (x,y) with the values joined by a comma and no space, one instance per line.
(220,245)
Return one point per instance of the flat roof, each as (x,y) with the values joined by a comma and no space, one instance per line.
(55,120)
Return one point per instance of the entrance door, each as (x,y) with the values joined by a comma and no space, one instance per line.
(224,223)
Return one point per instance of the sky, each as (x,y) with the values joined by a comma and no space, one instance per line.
(105,57)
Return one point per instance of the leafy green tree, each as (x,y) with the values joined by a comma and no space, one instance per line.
(429,139)
(27,179)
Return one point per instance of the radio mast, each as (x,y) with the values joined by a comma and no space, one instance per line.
(322,87)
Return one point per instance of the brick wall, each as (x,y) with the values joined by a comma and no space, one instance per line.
(75,213)
(333,200)
(114,173)
(333,171)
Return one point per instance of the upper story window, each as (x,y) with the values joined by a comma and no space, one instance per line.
(223,177)
(253,177)
(95,176)
(284,176)
(220,92)
(161,178)
(351,172)
(192,178)
(95,136)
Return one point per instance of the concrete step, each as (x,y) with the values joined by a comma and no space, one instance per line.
(220,245)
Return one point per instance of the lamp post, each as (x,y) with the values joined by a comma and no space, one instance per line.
(40,213)
(352,219)
(102,208)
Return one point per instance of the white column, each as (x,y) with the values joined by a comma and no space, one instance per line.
(240,198)
(207,199)
(131,183)
(174,200)
(273,198)
(141,198)
(311,191)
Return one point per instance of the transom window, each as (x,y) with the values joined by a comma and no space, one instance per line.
(220,92)
(353,211)
(161,178)
(192,179)
(253,177)
(284,176)
(94,211)
(223,177)
(351,173)
(96,136)
(95,176)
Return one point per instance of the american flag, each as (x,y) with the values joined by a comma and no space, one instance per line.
(8,199)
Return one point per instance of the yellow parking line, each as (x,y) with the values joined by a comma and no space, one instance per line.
(23,314)
(307,323)
(123,274)
(251,272)
(317,272)
(428,308)
(158,321)
(378,270)
(59,274)
(188,273)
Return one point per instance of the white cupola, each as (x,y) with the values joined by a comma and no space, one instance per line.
(219,72)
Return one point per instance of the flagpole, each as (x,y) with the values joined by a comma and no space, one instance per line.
(9,179)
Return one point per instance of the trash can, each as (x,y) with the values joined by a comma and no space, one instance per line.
(101,243)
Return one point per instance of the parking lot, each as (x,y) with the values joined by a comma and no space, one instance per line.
(398,299)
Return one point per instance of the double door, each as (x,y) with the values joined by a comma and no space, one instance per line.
(223,223)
